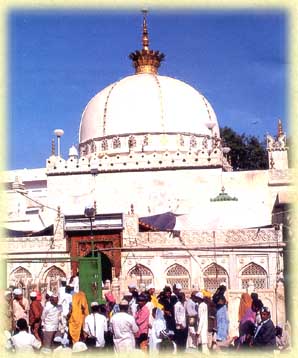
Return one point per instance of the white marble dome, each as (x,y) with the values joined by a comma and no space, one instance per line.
(147,103)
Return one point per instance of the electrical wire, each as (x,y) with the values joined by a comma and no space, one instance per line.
(36,201)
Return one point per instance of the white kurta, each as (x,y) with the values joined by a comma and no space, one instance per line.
(95,325)
(50,317)
(65,301)
(25,342)
(124,328)
(180,314)
(203,323)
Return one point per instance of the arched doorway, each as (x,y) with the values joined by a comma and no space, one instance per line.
(106,265)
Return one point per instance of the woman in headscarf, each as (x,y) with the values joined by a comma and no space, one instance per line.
(245,304)
(79,310)
(158,325)
(221,313)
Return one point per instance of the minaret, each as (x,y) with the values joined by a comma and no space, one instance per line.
(279,129)
(53,147)
(278,150)
(146,60)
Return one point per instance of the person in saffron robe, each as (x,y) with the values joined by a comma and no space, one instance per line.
(245,304)
(79,310)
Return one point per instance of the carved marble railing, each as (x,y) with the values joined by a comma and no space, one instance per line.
(168,152)
(197,239)
(281,177)
(28,245)
(148,142)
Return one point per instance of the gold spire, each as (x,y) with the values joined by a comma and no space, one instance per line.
(145,32)
(279,129)
(146,60)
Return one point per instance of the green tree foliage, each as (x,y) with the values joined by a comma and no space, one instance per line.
(247,152)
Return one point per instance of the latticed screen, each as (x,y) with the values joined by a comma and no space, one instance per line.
(254,274)
(21,275)
(214,275)
(52,278)
(21,278)
(142,274)
(258,283)
(178,274)
(211,284)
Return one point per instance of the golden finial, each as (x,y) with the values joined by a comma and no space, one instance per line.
(146,61)
(145,31)
(279,129)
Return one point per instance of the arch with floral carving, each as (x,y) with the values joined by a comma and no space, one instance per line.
(141,274)
(20,277)
(52,278)
(253,274)
(178,274)
(213,276)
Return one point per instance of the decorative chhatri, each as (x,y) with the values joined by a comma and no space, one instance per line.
(223,196)
(146,60)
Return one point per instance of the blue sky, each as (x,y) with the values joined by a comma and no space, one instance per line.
(58,60)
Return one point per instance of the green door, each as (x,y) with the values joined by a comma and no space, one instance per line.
(90,278)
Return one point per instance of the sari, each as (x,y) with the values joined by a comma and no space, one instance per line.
(79,311)
(245,303)
(222,323)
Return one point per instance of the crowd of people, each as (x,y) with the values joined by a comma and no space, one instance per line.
(141,320)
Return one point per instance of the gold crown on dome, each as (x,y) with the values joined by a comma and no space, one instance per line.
(146,60)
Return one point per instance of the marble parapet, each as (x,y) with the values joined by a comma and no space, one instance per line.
(28,245)
(205,239)
(200,152)
(280,177)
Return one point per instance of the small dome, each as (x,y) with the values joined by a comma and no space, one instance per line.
(73,152)
(147,103)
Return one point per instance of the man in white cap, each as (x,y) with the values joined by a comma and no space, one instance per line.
(152,302)
(20,306)
(61,290)
(133,303)
(96,326)
(191,310)
(132,287)
(153,298)
(47,302)
(79,347)
(177,288)
(65,301)
(74,281)
(51,316)
(35,313)
(6,311)
(202,330)
(132,307)
(265,334)
(124,328)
